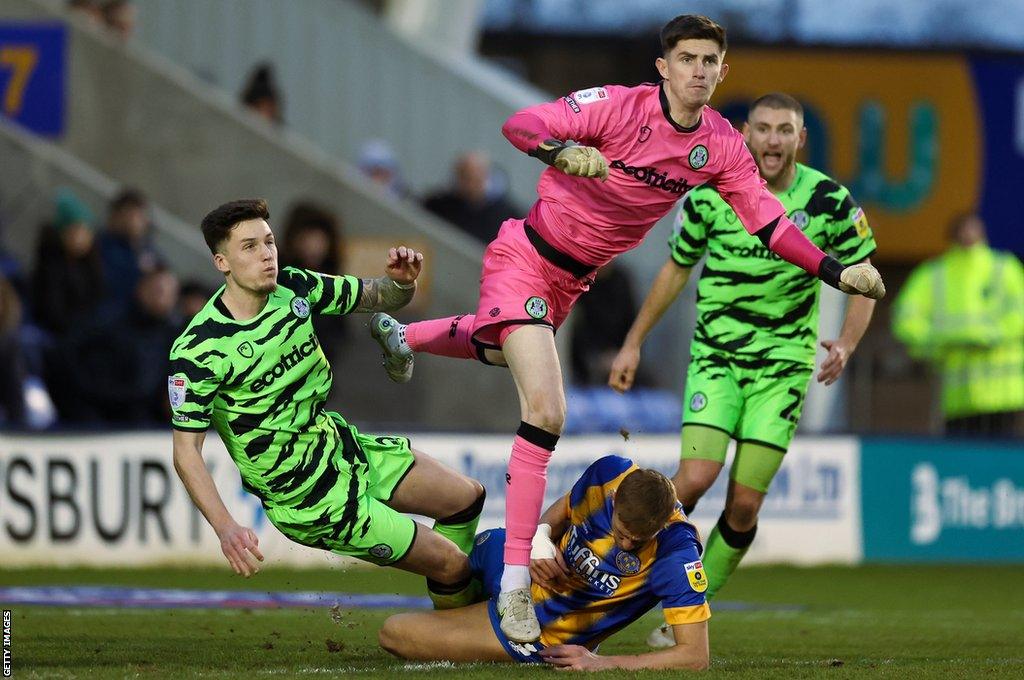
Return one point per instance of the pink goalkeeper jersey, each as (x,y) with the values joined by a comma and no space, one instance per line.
(652,162)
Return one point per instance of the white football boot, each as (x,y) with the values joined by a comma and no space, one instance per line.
(398,356)
(518,619)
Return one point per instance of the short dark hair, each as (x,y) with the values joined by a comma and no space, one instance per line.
(644,501)
(219,222)
(129,198)
(778,100)
(961,220)
(691,27)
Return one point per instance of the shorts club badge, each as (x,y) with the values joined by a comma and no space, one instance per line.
(537,307)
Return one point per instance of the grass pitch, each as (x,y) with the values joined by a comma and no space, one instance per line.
(878,621)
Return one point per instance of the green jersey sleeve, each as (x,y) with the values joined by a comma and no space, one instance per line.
(191,387)
(326,293)
(690,236)
(849,235)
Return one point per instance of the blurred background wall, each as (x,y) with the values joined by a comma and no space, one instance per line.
(376,102)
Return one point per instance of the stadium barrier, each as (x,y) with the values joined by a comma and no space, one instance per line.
(114,499)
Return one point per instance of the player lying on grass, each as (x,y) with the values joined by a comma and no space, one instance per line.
(604,554)
(250,363)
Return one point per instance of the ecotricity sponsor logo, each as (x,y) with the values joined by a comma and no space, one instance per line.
(939,503)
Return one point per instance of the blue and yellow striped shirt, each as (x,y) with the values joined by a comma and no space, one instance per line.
(620,586)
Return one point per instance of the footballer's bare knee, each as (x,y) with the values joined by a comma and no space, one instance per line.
(391,637)
(741,512)
(546,411)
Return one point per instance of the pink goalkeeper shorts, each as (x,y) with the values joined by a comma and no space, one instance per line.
(518,286)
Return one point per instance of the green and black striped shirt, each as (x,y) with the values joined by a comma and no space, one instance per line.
(749,301)
(262,383)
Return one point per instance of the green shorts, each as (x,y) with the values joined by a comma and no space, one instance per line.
(352,519)
(753,401)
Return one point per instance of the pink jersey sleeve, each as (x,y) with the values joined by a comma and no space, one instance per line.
(742,187)
(585,116)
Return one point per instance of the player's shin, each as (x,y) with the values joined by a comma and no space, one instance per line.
(724,550)
(527,477)
(453,596)
(460,528)
(449,337)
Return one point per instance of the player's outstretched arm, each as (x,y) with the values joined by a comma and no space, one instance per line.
(528,133)
(690,652)
(396,287)
(786,240)
(238,543)
(666,288)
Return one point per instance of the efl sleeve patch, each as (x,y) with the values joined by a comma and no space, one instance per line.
(589,96)
(696,576)
(860,221)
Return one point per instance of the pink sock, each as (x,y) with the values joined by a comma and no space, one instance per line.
(527,477)
(450,337)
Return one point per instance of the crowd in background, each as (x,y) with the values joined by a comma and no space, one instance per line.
(85,333)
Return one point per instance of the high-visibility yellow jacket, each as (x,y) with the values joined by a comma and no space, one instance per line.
(964,312)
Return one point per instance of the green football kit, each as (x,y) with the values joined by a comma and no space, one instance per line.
(753,350)
(262,383)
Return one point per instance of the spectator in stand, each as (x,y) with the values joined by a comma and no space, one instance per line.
(964,313)
(68,281)
(12,369)
(113,370)
(121,17)
(312,240)
(126,246)
(262,95)
(469,203)
(377,161)
(602,320)
(90,10)
(193,297)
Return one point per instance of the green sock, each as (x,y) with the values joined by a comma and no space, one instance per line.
(470,594)
(460,528)
(461,534)
(723,552)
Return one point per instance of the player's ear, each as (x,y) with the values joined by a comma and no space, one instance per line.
(221,263)
(724,71)
(746,132)
(662,67)
(803,138)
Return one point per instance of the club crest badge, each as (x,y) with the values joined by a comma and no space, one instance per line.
(627,563)
(537,307)
(381,551)
(645,134)
(176,391)
(245,349)
(698,401)
(300,307)
(698,157)
(800,218)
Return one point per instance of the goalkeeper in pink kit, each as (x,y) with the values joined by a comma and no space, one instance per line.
(638,150)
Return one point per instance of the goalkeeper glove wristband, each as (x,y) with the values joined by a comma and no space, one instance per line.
(548,150)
